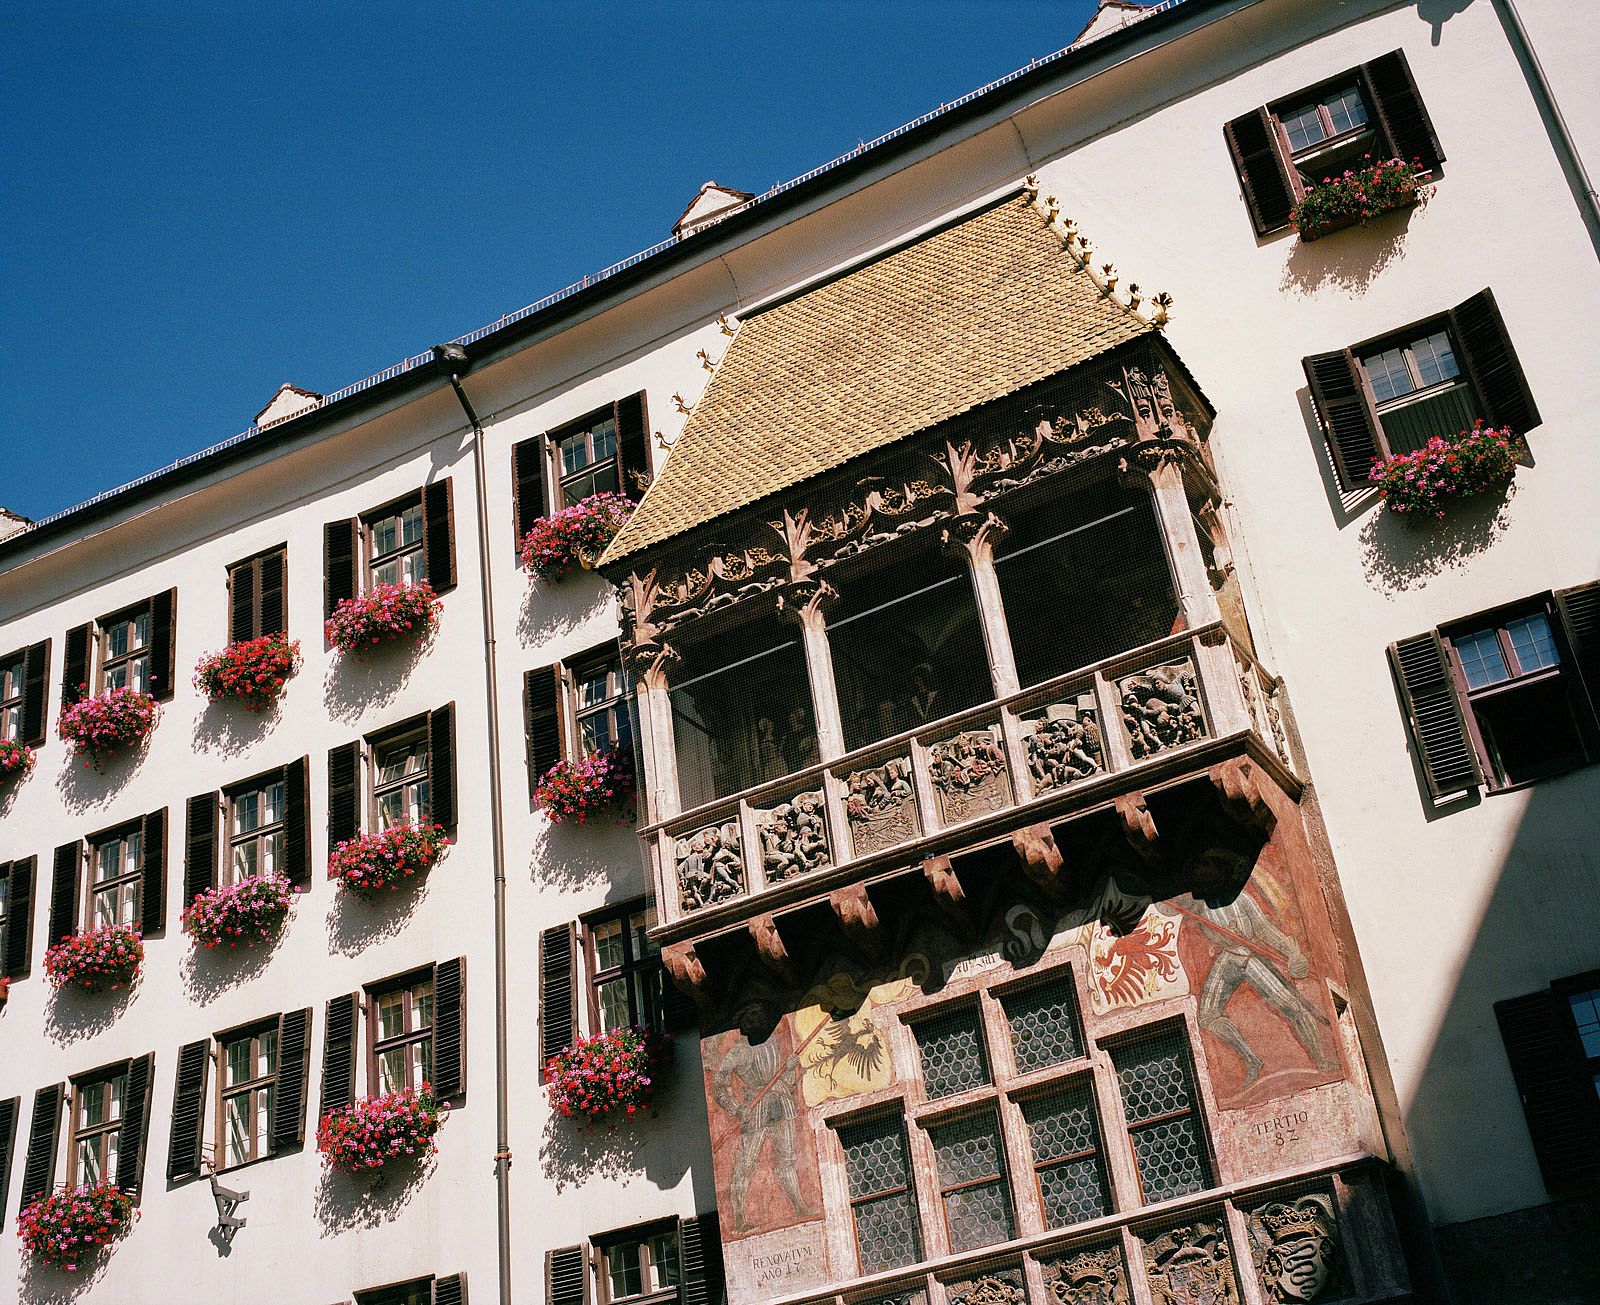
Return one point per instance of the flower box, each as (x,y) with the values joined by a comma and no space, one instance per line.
(5,988)
(98,960)
(16,759)
(574,536)
(576,790)
(369,863)
(1360,195)
(611,1075)
(387,613)
(1425,482)
(250,672)
(367,1135)
(239,914)
(104,724)
(65,1228)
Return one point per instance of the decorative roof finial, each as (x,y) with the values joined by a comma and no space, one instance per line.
(723,324)
(705,360)
(682,406)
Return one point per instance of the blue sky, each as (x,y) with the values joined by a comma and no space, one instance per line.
(200,201)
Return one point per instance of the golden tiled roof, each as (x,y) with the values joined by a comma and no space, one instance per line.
(965,315)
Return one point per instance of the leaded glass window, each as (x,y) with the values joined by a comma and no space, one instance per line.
(972,1181)
(881,1202)
(953,1058)
(1044,1024)
(1066,1155)
(1158,1101)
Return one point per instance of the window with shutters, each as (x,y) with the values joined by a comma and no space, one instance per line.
(23,677)
(639,1267)
(257,829)
(257,595)
(601,704)
(586,455)
(125,650)
(98,1103)
(115,887)
(419,1292)
(406,541)
(401,775)
(393,539)
(1435,377)
(576,708)
(13,672)
(247,1082)
(605,451)
(400,1016)
(131,648)
(400,790)
(1583,1002)
(1282,149)
(627,984)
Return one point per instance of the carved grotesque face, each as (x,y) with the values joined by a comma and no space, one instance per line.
(1166,408)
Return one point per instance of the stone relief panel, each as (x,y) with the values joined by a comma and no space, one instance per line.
(794,837)
(882,806)
(1092,1277)
(1295,1246)
(969,775)
(710,866)
(1161,708)
(911,1296)
(1191,1265)
(997,1287)
(1063,743)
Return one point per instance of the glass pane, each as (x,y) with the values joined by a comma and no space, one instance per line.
(1044,1025)
(1170,1158)
(1388,373)
(953,1058)
(601,480)
(107,857)
(263,1098)
(389,573)
(968,1150)
(267,1053)
(1154,1075)
(89,1170)
(392,1069)
(605,439)
(422,1062)
(1347,110)
(117,638)
(11,722)
(1303,127)
(117,676)
(594,689)
(246,812)
(612,999)
(391,1015)
(1436,362)
(393,809)
(411,524)
(92,1106)
(979,1216)
(246,860)
(11,679)
(1072,1192)
(643,946)
(272,851)
(1060,1126)
(1532,642)
(1481,659)
(1586,1014)
(422,1005)
(608,949)
(886,1233)
(874,1156)
(622,1268)
(239,1068)
(664,1259)
(236,1114)
(397,760)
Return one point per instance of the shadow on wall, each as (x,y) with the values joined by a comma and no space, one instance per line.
(207,975)
(1436,13)
(350,1203)
(73,1014)
(227,729)
(1398,554)
(45,1285)
(1349,260)
(569,857)
(354,684)
(550,611)
(356,923)
(657,1149)
(83,788)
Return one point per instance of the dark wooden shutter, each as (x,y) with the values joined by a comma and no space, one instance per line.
(272,607)
(558,991)
(439,534)
(1401,113)
(296,820)
(153,907)
(35,686)
(566,1276)
(64,892)
(541,720)
(1263,171)
(199,846)
(1349,419)
(288,1122)
(451,1290)
(339,1053)
(633,445)
(1557,1090)
(1579,609)
(39,1167)
(442,765)
(344,765)
(9,1109)
(1492,363)
(188,1111)
(527,484)
(449,1028)
(75,665)
(135,1124)
(164,645)
(338,563)
(700,1245)
(1433,708)
(18,958)
(244,581)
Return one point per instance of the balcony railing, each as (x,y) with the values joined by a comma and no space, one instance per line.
(1169,705)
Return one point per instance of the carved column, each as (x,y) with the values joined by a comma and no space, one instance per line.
(1158,466)
(805,602)
(659,759)
(973,536)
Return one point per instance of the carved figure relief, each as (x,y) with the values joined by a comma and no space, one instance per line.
(1161,708)
(1191,1265)
(1064,744)
(1295,1245)
(1096,1277)
(882,806)
(1003,1287)
(710,867)
(969,775)
(794,837)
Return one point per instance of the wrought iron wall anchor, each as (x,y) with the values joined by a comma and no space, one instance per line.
(227,1201)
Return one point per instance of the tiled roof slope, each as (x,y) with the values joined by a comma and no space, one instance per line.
(965,315)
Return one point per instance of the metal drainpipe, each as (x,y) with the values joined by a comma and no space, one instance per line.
(452,361)
(1572,163)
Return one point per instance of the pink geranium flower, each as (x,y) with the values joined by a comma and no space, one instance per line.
(68,1226)
(97,959)
(613,1074)
(1423,482)
(369,863)
(384,614)
(239,914)
(576,790)
(250,672)
(574,536)
(366,1135)
(101,725)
